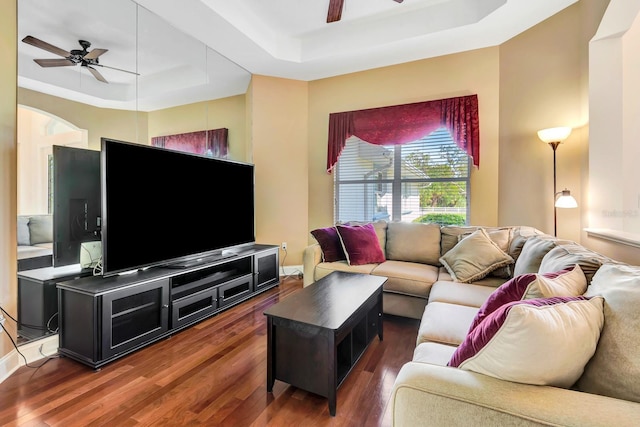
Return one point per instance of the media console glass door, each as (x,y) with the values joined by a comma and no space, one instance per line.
(133,316)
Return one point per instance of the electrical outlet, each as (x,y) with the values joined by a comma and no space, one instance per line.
(284,246)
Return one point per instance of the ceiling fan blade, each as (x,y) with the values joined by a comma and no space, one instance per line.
(96,74)
(114,68)
(398,1)
(46,46)
(54,62)
(335,10)
(95,53)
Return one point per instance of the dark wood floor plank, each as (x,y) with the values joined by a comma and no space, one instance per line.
(212,373)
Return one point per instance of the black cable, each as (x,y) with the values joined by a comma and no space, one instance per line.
(8,315)
(27,325)
(23,356)
(53,316)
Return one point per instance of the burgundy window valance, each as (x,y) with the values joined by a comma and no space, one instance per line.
(212,142)
(400,124)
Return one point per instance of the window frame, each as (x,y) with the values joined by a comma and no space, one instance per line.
(397,184)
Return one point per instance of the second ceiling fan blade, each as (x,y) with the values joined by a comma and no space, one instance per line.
(46,46)
(96,74)
(335,10)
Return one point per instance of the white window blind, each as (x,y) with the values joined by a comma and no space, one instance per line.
(426,180)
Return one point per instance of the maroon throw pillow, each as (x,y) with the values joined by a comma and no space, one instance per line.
(512,290)
(361,244)
(329,244)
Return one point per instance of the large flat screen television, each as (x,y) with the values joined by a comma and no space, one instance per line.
(165,207)
(76,202)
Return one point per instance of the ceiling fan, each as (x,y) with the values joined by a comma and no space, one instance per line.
(84,58)
(335,10)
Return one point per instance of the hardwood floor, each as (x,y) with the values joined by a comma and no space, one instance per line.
(213,373)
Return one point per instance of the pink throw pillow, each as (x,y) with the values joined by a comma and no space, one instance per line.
(360,244)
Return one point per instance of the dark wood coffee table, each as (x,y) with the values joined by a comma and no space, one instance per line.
(315,336)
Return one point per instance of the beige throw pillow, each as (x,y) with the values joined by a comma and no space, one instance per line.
(502,238)
(474,257)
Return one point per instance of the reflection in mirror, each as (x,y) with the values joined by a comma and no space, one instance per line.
(152,80)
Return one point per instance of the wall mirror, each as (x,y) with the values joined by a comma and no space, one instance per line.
(152,80)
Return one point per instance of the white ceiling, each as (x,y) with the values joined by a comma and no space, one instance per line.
(195,50)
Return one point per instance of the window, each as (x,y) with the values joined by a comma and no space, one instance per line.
(422,181)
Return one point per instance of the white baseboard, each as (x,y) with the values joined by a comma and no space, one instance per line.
(32,351)
(291,270)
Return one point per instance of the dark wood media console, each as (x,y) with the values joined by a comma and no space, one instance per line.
(104,318)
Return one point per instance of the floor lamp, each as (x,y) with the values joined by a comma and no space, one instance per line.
(553,137)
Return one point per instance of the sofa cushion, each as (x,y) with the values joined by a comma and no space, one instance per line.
(469,294)
(413,242)
(519,237)
(533,250)
(489,281)
(539,341)
(565,283)
(41,229)
(445,323)
(614,369)
(360,244)
(434,353)
(449,236)
(563,256)
(408,278)
(330,244)
(23,231)
(474,257)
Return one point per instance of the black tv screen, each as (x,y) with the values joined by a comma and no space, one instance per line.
(162,206)
(76,202)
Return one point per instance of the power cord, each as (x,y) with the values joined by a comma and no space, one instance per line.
(97,269)
(296,273)
(26,363)
(27,325)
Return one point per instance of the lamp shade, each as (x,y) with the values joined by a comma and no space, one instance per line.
(566,200)
(558,134)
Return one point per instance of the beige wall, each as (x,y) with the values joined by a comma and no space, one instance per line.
(544,83)
(221,113)
(122,125)
(279,114)
(8,156)
(474,72)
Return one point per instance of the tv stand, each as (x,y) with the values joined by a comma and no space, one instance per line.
(105,318)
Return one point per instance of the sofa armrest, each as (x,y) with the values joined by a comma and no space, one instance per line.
(311,256)
(425,395)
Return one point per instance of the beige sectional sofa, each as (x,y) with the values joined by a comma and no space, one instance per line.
(412,265)
(603,374)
